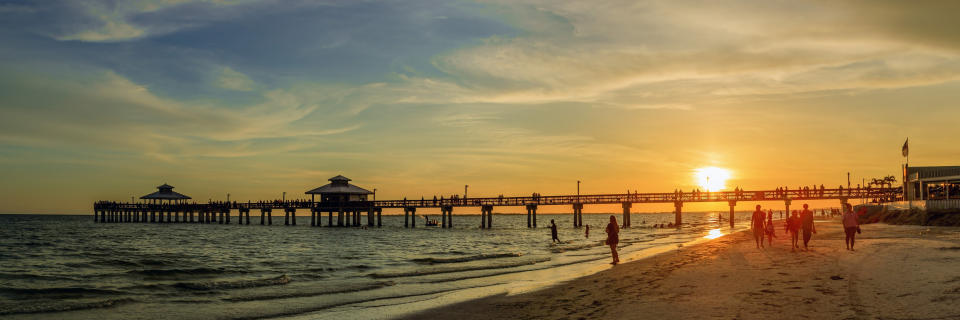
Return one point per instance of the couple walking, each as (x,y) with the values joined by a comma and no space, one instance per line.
(762,224)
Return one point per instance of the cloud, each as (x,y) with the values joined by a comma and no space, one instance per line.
(233,80)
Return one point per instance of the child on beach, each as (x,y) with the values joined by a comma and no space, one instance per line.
(613,238)
(793,226)
(769,229)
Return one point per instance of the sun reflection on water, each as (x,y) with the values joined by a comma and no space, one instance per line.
(714,233)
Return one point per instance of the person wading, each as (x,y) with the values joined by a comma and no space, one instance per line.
(806,225)
(613,238)
(757,224)
(553,231)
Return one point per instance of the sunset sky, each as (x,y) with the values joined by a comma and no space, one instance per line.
(104,100)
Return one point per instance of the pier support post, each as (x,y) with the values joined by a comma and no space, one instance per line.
(529,217)
(313,217)
(406,218)
(286,216)
(329,218)
(356,218)
(677,214)
(786,205)
(626,213)
(226,212)
(270,216)
(95,214)
(577,215)
(488,216)
(379,217)
(293,216)
(533,209)
(340,218)
(247,213)
(370,213)
(153,216)
(263,217)
(413,217)
(733,206)
(447,216)
(176,217)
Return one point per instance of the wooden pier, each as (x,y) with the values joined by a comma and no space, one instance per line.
(351,207)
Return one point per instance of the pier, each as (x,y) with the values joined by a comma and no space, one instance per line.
(350,204)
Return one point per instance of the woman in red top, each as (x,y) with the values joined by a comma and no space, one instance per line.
(613,238)
(793,226)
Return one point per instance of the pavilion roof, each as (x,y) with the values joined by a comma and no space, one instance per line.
(165,192)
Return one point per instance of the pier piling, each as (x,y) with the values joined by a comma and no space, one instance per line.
(733,205)
(626,213)
(679,210)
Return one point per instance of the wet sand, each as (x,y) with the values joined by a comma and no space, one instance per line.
(897,272)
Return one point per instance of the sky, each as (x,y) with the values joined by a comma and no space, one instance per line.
(105,100)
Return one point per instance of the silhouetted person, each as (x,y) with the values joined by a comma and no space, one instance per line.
(806,225)
(850,225)
(757,222)
(793,227)
(613,238)
(553,231)
(587,232)
(768,229)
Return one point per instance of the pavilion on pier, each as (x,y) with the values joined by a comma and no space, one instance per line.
(165,192)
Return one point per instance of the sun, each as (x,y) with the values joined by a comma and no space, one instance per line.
(711,178)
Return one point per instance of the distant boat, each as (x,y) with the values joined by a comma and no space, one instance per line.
(431,222)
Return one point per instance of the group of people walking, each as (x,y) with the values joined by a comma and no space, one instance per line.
(801,223)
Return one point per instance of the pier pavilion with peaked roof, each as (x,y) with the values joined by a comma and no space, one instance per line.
(165,192)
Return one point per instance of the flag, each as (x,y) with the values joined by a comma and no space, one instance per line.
(906,148)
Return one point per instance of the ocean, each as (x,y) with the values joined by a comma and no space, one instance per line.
(67,266)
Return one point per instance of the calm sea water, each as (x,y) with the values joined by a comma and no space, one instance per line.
(71,267)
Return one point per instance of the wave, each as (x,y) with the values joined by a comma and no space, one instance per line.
(312,293)
(217,285)
(54,292)
(562,249)
(424,272)
(58,306)
(432,260)
(174,272)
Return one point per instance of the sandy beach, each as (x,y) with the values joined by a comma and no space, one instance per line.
(896,272)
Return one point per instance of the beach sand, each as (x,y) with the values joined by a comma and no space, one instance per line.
(897,272)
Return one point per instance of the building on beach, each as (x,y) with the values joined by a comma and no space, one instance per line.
(937,186)
(339,190)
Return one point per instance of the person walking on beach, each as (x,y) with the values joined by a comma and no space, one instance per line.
(613,238)
(850,225)
(757,222)
(793,227)
(553,231)
(806,225)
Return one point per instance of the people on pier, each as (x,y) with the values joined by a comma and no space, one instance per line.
(806,225)
(757,222)
(613,238)
(553,231)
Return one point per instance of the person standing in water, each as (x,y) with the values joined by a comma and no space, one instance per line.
(850,225)
(793,226)
(806,225)
(613,238)
(553,231)
(757,224)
